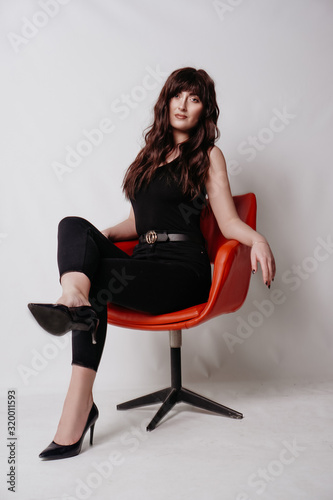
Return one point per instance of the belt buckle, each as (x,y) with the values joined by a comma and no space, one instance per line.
(151,237)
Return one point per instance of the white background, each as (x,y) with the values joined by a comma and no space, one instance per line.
(87,64)
(69,74)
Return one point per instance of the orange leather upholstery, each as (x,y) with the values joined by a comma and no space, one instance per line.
(230,280)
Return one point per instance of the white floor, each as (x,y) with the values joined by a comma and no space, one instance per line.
(282,449)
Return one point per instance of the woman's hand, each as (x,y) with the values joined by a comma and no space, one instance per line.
(106,233)
(123,231)
(262,253)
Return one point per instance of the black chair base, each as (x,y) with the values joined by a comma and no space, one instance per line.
(176,394)
(169,397)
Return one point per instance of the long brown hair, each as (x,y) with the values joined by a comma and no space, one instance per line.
(193,153)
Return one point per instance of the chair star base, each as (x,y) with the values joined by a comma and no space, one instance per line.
(169,397)
(176,394)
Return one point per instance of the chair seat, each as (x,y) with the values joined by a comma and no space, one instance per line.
(121,316)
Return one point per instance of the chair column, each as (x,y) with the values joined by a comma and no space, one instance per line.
(175,338)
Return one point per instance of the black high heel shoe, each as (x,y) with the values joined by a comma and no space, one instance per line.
(59,319)
(56,451)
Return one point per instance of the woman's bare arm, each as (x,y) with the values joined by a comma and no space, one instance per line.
(123,231)
(232,227)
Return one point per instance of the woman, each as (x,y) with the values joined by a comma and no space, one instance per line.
(177,170)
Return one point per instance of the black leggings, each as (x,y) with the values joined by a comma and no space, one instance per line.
(156,279)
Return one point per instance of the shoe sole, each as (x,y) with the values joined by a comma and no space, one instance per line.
(54,321)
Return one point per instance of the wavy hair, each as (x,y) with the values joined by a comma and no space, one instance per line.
(159,142)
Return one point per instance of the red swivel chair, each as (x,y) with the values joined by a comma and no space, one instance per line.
(230,283)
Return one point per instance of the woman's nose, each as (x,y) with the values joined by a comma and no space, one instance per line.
(182,104)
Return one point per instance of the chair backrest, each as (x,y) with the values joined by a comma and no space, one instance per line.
(246,208)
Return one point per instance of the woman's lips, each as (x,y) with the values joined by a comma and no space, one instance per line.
(180,117)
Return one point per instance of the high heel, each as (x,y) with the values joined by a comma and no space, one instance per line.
(59,319)
(56,451)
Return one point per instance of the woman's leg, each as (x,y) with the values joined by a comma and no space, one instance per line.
(81,250)
(80,247)
(76,407)
(98,272)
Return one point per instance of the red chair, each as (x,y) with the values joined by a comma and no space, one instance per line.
(230,283)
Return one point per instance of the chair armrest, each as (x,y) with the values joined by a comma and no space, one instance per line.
(230,280)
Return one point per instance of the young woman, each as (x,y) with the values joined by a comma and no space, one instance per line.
(179,168)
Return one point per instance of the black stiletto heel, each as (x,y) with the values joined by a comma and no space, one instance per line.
(59,319)
(92,428)
(56,451)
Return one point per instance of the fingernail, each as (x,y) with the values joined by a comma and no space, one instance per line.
(269,286)
(253,271)
(266,282)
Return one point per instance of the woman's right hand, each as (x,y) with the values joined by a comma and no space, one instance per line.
(106,233)
(123,231)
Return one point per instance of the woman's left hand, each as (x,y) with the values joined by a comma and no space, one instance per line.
(262,253)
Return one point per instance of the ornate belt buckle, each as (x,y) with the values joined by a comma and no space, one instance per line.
(151,237)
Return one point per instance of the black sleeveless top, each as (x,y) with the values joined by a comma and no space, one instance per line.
(161,205)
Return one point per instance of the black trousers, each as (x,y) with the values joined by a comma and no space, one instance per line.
(156,279)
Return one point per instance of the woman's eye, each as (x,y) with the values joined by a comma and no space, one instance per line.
(193,99)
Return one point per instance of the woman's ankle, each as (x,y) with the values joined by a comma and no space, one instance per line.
(73,298)
(72,421)
(75,283)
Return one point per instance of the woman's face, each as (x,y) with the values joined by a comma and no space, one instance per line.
(185,110)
